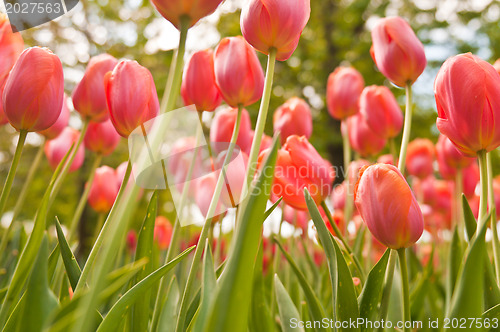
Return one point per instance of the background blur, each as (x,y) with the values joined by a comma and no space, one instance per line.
(338,33)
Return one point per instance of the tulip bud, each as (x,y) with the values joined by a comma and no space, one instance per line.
(293,118)
(103,190)
(338,196)
(420,158)
(101,137)
(191,10)
(163,232)
(223,127)
(61,122)
(56,149)
(467,92)
(268,24)
(198,82)
(131,96)
(397,51)
(362,139)
(381,111)
(448,155)
(471,179)
(343,90)
(89,98)
(388,207)
(34,90)
(11,45)
(238,72)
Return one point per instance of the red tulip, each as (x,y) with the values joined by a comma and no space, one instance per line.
(103,190)
(467,91)
(198,83)
(11,46)
(163,232)
(300,166)
(386,159)
(298,218)
(56,149)
(343,90)
(293,118)
(471,179)
(268,24)
(205,189)
(338,196)
(397,51)
(61,122)
(388,206)
(89,98)
(362,139)
(223,127)
(238,72)
(101,137)
(448,155)
(131,96)
(496,190)
(381,111)
(131,240)
(496,65)
(34,90)
(193,10)
(420,158)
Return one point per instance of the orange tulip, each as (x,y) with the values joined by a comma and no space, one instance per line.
(163,232)
(420,158)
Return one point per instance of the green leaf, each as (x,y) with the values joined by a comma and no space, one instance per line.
(371,295)
(119,309)
(145,241)
(234,292)
(168,316)
(492,312)
(491,290)
(288,311)
(454,261)
(272,208)
(72,268)
(470,220)
(208,288)
(316,311)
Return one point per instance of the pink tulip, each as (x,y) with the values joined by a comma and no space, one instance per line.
(496,65)
(496,190)
(198,83)
(34,90)
(449,155)
(89,98)
(163,232)
(104,190)
(234,177)
(420,158)
(397,51)
(3,117)
(204,193)
(343,90)
(467,91)
(238,72)
(223,127)
(179,163)
(11,46)
(56,149)
(388,206)
(131,96)
(101,137)
(381,111)
(293,118)
(265,143)
(192,10)
(268,24)
(471,179)
(386,159)
(362,139)
(131,240)
(296,218)
(61,122)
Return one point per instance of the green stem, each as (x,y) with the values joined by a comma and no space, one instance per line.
(349,198)
(12,171)
(494,228)
(483,179)
(386,295)
(218,246)
(83,199)
(459,183)
(175,75)
(406,288)
(406,130)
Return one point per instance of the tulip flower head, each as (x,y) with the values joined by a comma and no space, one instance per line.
(274,24)
(361,137)
(163,232)
(293,118)
(343,90)
(104,189)
(467,92)
(397,51)
(449,155)
(61,122)
(223,127)
(101,137)
(56,149)
(296,218)
(420,158)
(11,46)
(34,90)
(189,10)
(388,207)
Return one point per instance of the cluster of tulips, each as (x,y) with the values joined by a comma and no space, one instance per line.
(339,264)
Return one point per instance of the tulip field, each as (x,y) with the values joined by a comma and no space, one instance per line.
(202,207)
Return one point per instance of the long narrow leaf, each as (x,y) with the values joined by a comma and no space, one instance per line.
(288,313)
(72,268)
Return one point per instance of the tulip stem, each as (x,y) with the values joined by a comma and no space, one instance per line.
(483,180)
(347,160)
(12,170)
(386,294)
(458,202)
(406,289)
(175,74)
(406,130)
(494,228)
(83,199)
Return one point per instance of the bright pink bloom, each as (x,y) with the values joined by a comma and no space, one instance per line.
(386,159)
(163,232)
(381,111)
(238,72)
(56,149)
(205,189)
(298,218)
(397,51)
(223,127)
(234,178)
(61,122)
(388,206)
(449,156)
(104,190)
(420,158)
(131,96)
(101,137)
(343,90)
(194,10)
(11,45)
(338,196)
(34,90)
(467,91)
(293,118)
(471,179)
(89,98)
(198,82)
(267,24)
(362,139)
